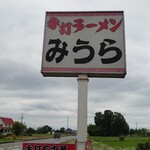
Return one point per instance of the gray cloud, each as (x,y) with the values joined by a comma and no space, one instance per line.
(50,100)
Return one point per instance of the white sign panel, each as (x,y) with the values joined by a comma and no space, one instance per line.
(91,43)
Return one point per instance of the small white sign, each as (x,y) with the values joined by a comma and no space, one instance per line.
(91,43)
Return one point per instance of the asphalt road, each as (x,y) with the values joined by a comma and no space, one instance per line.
(18,145)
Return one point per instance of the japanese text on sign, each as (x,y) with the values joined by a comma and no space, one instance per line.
(92,43)
(78,24)
(82,45)
(44,146)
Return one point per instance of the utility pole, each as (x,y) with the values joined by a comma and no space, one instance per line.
(136,125)
(22,117)
(67,122)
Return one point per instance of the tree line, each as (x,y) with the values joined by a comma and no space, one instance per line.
(21,129)
(106,124)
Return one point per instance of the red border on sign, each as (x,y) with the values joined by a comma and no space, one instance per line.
(102,13)
(89,70)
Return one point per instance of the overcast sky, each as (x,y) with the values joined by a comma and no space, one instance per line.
(49,101)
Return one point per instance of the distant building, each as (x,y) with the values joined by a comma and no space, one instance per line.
(6,125)
(68,130)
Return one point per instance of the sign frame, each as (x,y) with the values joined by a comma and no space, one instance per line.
(106,26)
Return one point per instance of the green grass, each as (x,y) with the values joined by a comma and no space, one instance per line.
(114,142)
(13,138)
(98,143)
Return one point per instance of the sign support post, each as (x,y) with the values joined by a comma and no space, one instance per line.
(82,111)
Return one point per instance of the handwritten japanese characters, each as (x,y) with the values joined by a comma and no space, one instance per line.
(78,25)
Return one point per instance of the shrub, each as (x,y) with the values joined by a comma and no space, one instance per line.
(1,136)
(142,146)
(121,138)
(14,137)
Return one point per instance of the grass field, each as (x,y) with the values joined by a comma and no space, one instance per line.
(13,138)
(98,143)
(113,143)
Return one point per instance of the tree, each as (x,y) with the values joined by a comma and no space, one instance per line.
(110,124)
(99,118)
(30,131)
(132,131)
(19,128)
(92,129)
(107,123)
(62,130)
(44,129)
(144,132)
(119,125)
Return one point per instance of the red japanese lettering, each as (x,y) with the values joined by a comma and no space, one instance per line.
(79,25)
(65,28)
(91,25)
(114,28)
(103,25)
(53,23)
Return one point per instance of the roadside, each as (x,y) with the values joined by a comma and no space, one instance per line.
(13,138)
(18,145)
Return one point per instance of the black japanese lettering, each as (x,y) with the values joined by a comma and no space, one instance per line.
(82,46)
(54,147)
(104,50)
(51,53)
(37,147)
(29,147)
(45,147)
(63,147)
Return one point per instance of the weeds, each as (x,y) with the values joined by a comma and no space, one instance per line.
(102,146)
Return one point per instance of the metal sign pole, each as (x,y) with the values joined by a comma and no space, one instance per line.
(82,111)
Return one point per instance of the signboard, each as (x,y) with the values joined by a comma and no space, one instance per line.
(91,43)
(47,146)
(88,145)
